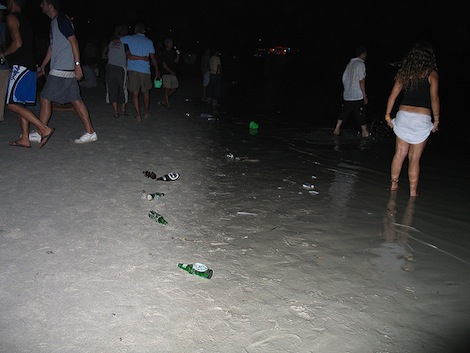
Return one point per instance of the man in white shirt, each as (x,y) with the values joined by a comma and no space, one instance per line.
(354,93)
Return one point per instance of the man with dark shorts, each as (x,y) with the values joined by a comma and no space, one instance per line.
(140,50)
(65,69)
(170,60)
(22,83)
(354,93)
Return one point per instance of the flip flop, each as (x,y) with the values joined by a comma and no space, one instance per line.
(16,144)
(46,138)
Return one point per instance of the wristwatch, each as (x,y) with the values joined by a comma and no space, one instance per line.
(77,63)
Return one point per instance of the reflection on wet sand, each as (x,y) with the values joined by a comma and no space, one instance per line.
(399,233)
(396,234)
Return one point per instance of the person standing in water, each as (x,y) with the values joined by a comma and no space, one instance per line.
(418,79)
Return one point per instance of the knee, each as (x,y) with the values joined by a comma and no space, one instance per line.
(401,153)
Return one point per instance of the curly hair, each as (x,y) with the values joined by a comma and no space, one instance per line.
(417,64)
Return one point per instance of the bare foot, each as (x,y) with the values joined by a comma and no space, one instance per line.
(19,144)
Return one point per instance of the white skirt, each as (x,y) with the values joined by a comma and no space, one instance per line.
(413,128)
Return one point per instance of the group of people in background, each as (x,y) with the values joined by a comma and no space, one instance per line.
(417,83)
(128,69)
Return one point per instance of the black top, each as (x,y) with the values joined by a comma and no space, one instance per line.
(418,97)
(169,57)
(23,56)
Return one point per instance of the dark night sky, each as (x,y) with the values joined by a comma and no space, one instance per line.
(303,24)
(325,32)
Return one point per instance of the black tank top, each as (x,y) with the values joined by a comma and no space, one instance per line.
(418,97)
(23,56)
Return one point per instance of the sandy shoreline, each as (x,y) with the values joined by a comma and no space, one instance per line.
(83,268)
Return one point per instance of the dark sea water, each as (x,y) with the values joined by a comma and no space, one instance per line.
(296,108)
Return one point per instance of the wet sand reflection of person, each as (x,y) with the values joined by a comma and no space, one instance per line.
(396,234)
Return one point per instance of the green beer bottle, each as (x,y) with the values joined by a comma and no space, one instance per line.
(157,217)
(198,269)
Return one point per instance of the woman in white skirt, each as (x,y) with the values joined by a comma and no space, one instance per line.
(418,113)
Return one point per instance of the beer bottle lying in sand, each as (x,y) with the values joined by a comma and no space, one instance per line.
(153,196)
(157,217)
(166,177)
(197,269)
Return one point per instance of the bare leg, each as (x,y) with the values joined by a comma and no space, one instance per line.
(26,117)
(336,131)
(146,104)
(365,132)
(166,100)
(115,107)
(135,99)
(82,111)
(46,111)
(401,151)
(414,156)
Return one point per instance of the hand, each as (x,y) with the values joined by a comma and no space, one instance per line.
(78,72)
(41,71)
(435,126)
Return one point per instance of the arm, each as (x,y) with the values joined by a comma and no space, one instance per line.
(45,61)
(14,28)
(435,103)
(76,56)
(362,84)
(391,102)
(136,57)
(155,64)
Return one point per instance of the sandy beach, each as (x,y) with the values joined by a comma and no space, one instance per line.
(346,267)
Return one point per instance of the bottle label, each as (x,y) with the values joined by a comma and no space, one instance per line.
(200,267)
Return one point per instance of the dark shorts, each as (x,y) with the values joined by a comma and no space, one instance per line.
(170,81)
(61,90)
(116,84)
(139,82)
(21,86)
(357,108)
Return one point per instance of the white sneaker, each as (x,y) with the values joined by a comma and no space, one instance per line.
(34,137)
(86,137)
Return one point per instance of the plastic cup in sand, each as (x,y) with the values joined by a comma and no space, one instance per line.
(253,125)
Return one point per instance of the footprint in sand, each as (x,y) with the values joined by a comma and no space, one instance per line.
(274,341)
(302,312)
